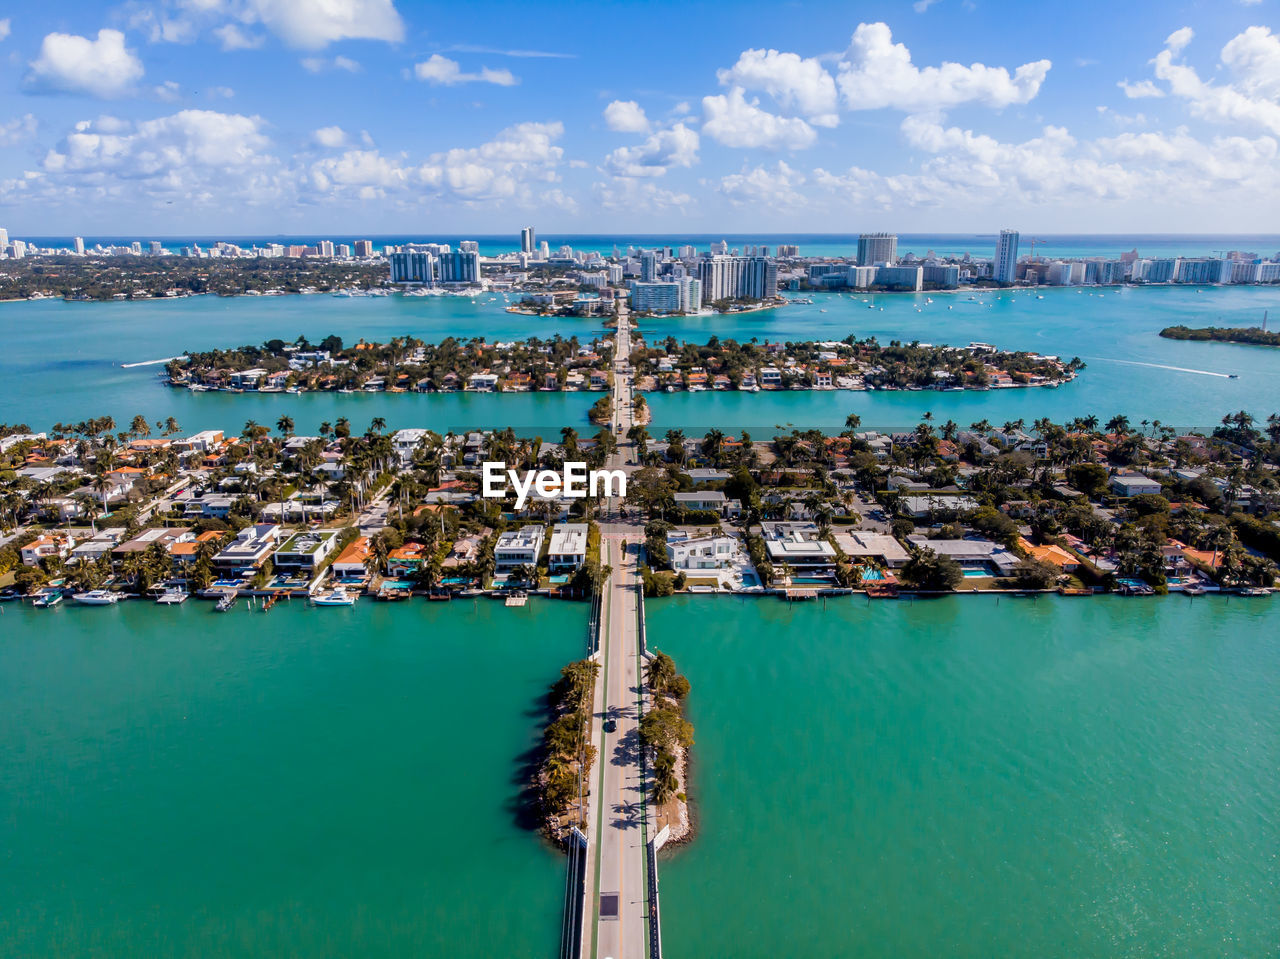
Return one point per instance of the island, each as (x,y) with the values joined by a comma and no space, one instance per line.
(1252,335)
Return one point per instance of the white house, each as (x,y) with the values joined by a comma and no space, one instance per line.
(797,545)
(1133,484)
(517,547)
(568,548)
(250,549)
(701,551)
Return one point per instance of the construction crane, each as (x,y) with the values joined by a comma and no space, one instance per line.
(1034,241)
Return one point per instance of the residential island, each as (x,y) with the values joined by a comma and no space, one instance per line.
(407,364)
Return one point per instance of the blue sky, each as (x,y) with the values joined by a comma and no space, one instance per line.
(167,117)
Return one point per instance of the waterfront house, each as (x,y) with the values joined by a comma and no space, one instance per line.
(406,559)
(482,382)
(709,501)
(1054,555)
(517,547)
(700,551)
(252,547)
(865,545)
(306,549)
(568,548)
(976,555)
(799,545)
(405,442)
(464,550)
(350,562)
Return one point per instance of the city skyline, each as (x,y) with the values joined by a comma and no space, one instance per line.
(171,116)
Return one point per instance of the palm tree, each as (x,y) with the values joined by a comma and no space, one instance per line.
(285,425)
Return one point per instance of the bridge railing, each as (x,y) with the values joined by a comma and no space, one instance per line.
(575,896)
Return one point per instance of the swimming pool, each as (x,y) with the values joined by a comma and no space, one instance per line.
(871,575)
(976,572)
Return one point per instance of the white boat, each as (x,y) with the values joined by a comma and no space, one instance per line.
(172,597)
(48,600)
(227,601)
(97,597)
(338,596)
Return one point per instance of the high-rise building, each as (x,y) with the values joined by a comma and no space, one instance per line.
(528,240)
(364,248)
(77,243)
(469,246)
(544,250)
(156,247)
(4,239)
(325,249)
(875,249)
(651,297)
(1005,267)
(412,268)
(460,267)
(344,251)
(648,266)
(737,277)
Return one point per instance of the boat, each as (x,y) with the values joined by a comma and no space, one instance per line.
(48,600)
(338,596)
(172,597)
(1193,590)
(97,597)
(227,601)
(1233,376)
(1255,591)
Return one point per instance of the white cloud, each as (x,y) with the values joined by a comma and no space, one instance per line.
(626,116)
(637,197)
(313,24)
(798,84)
(506,168)
(776,187)
(167,91)
(734,122)
(971,170)
(876,73)
(71,64)
(306,24)
(219,93)
(201,157)
(519,54)
(17,130)
(1143,88)
(1253,56)
(330,137)
(442,71)
(320,64)
(676,146)
(233,37)
(4,29)
(920,6)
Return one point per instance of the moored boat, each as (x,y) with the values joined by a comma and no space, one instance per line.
(97,597)
(338,596)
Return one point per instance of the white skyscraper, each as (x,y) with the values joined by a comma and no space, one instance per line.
(1005,268)
(875,249)
(78,244)
(528,240)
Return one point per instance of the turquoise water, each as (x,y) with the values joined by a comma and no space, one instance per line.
(305,782)
(970,777)
(62,360)
(1130,370)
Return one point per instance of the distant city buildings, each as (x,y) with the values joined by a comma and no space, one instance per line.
(528,240)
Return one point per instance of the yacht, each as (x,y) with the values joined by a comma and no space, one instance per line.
(338,596)
(227,601)
(97,597)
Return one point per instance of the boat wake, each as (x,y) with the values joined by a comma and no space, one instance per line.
(1156,366)
(167,359)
